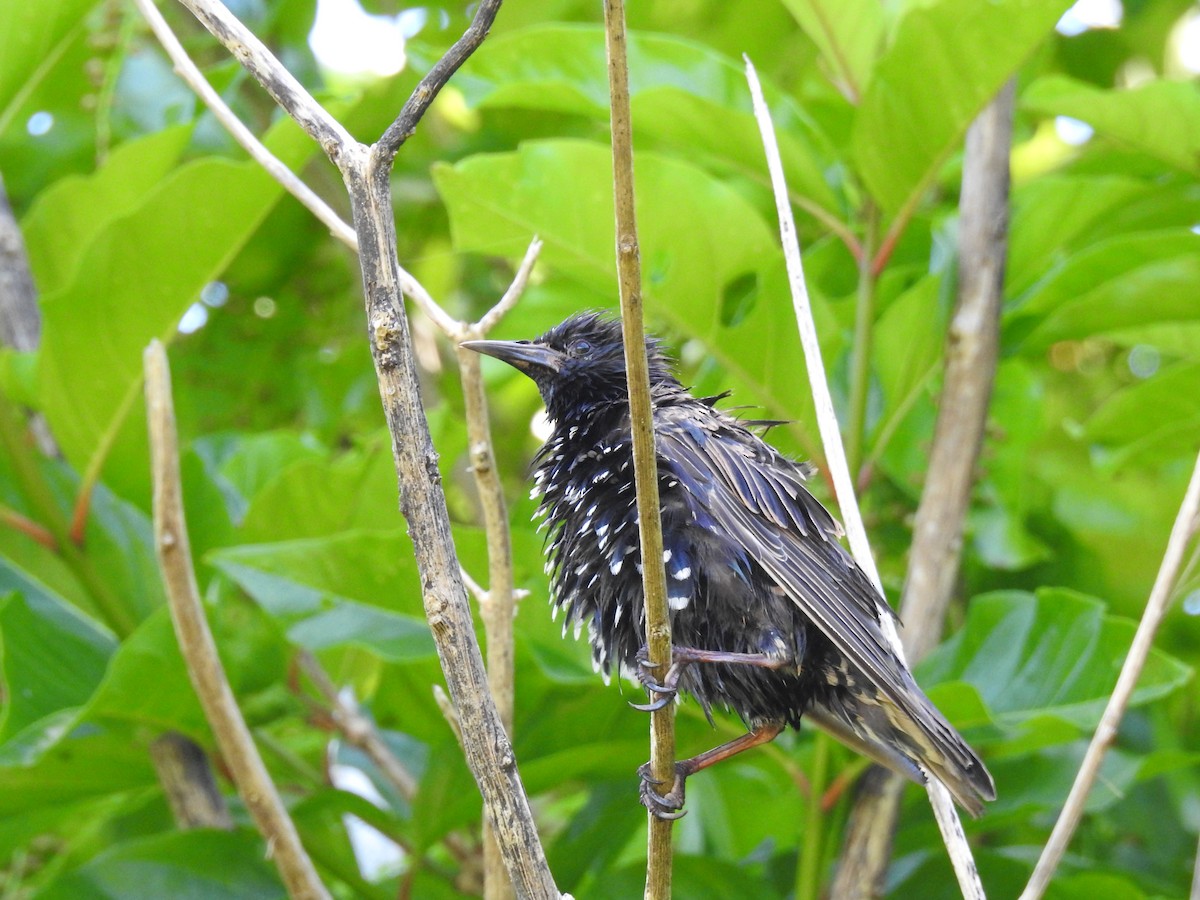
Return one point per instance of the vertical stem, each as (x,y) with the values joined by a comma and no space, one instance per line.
(808,871)
(658,623)
(864,320)
(199,650)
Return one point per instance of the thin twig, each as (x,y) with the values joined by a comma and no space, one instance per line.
(200,651)
(641,414)
(943,807)
(358,730)
(972,343)
(497,609)
(435,79)
(28,527)
(1184,529)
(283,87)
(20,315)
(190,73)
(449,713)
(520,280)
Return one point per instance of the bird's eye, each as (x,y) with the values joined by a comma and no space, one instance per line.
(579,348)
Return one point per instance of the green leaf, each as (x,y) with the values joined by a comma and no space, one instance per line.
(1161,118)
(1053,215)
(848,33)
(1152,420)
(73,211)
(53,658)
(907,350)
(35,36)
(945,63)
(185,865)
(1124,281)
(337,591)
(95,764)
(317,497)
(1053,653)
(682,95)
(150,656)
(497,201)
(135,278)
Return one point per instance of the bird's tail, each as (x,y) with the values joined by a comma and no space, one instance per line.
(910,737)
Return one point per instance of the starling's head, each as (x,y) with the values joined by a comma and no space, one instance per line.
(578,365)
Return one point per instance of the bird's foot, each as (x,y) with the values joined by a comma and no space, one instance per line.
(666,691)
(668,806)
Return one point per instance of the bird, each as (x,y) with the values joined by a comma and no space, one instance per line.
(771,618)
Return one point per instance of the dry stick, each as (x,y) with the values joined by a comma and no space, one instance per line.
(435,79)
(367,172)
(497,611)
(358,730)
(972,344)
(629,275)
(1182,531)
(200,651)
(835,454)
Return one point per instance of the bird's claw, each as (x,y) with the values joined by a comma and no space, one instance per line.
(664,697)
(668,806)
(666,691)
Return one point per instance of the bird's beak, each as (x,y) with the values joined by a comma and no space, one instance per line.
(523,355)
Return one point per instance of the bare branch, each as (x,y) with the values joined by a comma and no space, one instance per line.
(488,749)
(835,455)
(971,351)
(358,730)
(274,167)
(641,414)
(1182,532)
(187,780)
(449,713)
(20,317)
(520,280)
(435,79)
(187,70)
(498,602)
(200,651)
(972,345)
(271,74)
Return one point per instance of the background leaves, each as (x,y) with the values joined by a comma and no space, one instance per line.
(136,210)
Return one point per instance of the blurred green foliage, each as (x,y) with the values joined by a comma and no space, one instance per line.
(140,213)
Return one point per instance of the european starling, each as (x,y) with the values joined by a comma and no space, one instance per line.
(770,616)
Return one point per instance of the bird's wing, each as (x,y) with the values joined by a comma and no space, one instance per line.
(736,482)
(759,498)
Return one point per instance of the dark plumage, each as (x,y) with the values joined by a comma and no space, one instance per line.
(770,616)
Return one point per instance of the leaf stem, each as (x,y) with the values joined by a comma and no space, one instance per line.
(808,869)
